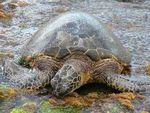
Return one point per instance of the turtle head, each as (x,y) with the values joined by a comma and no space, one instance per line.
(66,80)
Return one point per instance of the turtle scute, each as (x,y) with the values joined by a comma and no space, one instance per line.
(76,31)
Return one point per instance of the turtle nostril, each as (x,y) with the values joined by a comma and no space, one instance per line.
(53,83)
(59,80)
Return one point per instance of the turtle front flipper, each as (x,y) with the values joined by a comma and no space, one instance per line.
(73,74)
(108,71)
(24,78)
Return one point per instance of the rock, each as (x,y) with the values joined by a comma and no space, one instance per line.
(54,0)
(93,95)
(23,100)
(1,6)
(78,101)
(56,102)
(6,54)
(147,105)
(22,3)
(148,69)
(61,9)
(144,112)
(12,5)
(133,1)
(30,106)
(136,38)
(127,98)
(2,14)
(1,1)
(5,15)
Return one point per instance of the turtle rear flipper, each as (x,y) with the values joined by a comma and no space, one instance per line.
(128,84)
(108,71)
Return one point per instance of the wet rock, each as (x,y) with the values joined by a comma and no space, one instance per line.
(147,105)
(128,21)
(93,95)
(20,3)
(148,69)
(56,102)
(77,100)
(1,6)
(144,112)
(61,9)
(24,104)
(125,99)
(2,14)
(30,106)
(13,4)
(108,106)
(54,0)
(5,15)
(133,1)
(1,1)
(6,55)
(23,100)
(119,103)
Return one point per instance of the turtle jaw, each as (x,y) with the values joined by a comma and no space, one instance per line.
(62,90)
(65,81)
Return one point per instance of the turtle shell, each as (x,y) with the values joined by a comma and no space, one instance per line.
(76,32)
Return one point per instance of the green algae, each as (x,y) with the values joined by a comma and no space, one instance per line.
(46,107)
(22,61)
(20,110)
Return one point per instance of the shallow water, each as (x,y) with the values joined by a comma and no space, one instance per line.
(129,22)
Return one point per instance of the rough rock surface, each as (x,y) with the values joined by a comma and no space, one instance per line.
(128,21)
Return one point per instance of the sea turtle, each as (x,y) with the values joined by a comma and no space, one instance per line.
(76,49)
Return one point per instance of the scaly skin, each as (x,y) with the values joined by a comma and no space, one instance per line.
(106,71)
(109,71)
(43,70)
